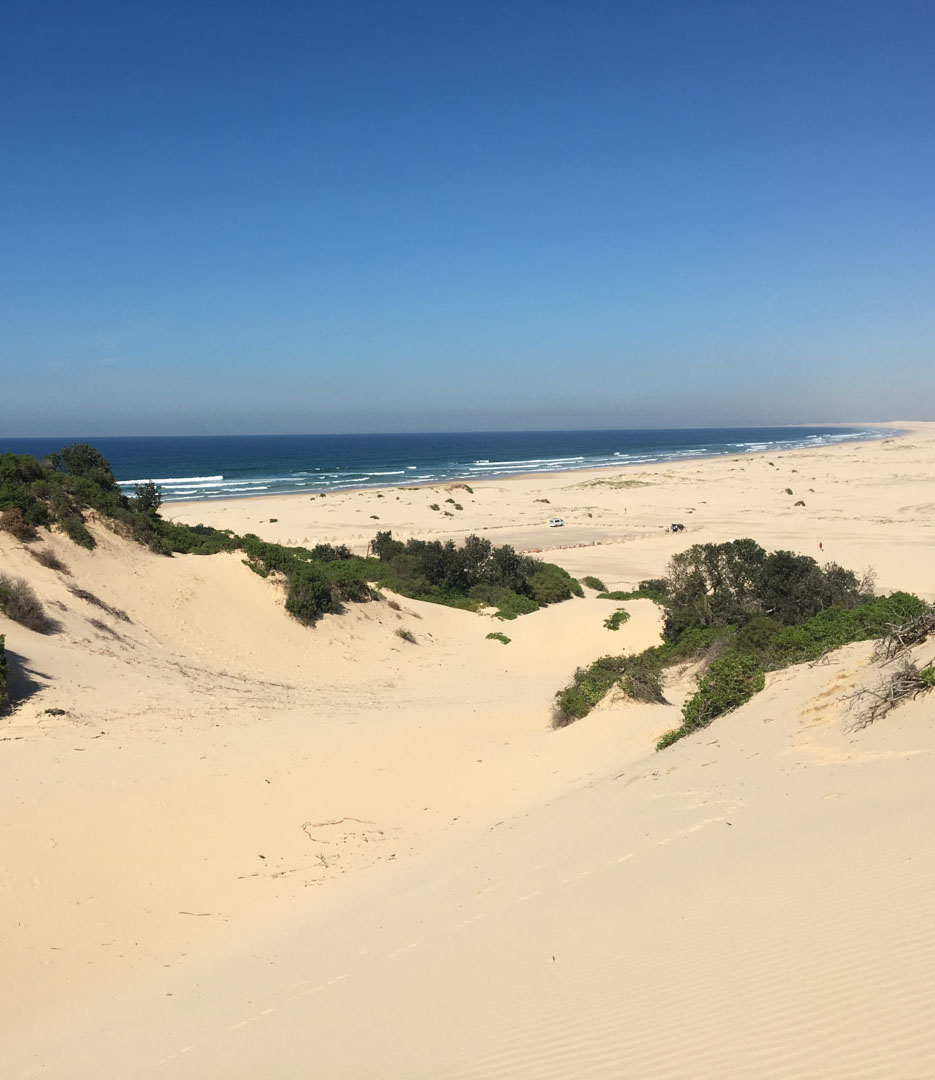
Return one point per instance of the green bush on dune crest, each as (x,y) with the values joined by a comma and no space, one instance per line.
(742,612)
(471,576)
(60,491)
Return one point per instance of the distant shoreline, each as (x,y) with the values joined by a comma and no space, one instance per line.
(884,429)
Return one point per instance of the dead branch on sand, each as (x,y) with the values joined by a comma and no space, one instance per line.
(902,685)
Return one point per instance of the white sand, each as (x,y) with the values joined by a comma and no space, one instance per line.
(755,901)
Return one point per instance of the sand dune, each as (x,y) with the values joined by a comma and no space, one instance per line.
(249,849)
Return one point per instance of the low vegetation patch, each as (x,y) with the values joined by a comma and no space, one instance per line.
(618,483)
(594,583)
(648,590)
(407,635)
(497,636)
(639,677)
(617,619)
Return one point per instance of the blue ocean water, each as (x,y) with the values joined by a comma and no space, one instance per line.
(212,467)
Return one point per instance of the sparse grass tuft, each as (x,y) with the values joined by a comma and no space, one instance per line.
(19,603)
(407,635)
(90,598)
(50,560)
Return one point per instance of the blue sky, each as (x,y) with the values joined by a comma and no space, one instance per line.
(311,217)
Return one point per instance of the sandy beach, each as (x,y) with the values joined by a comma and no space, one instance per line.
(233,846)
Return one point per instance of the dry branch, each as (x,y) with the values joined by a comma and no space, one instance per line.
(902,638)
(873,703)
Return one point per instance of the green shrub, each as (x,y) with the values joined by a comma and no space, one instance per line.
(638,676)
(728,682)
(148,498)
(550,584)
(836,627)
(927,675)
(75,529)
(497,636)
(617,619)
(309,596)
(642,593)
(593,583)
(434,506)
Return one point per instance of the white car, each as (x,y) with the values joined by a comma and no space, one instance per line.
(556,523)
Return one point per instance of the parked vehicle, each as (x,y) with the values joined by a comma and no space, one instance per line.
(556,523)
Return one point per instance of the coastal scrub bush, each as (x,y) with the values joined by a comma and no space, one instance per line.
(727,683)
(19,603)
(75,529)
(13,522)
(743,611)
(647,590)
(497,636)
(551,584)
(594,583)
(638,676)
(617,619)
(473,575)
(309,596)
(148,498)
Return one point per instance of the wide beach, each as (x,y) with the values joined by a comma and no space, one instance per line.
(240,847)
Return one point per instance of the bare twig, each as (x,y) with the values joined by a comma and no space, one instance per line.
(875,702)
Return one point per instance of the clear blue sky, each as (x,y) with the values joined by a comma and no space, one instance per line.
(385,216)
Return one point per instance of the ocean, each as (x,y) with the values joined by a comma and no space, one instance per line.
(213,467)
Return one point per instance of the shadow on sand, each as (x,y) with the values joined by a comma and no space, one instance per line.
(22,680)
